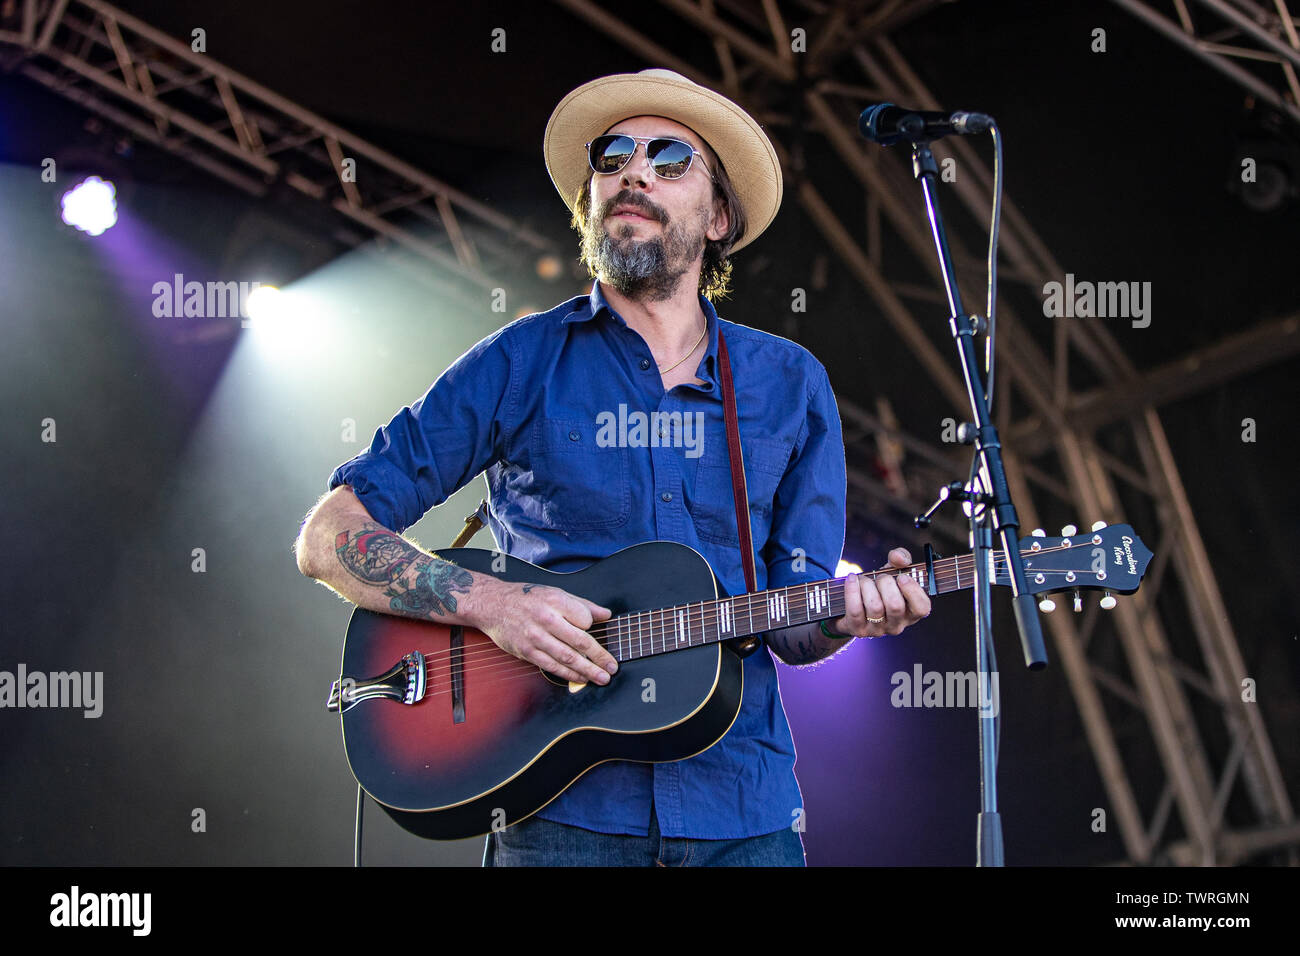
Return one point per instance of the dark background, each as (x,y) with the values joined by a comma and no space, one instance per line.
(214,682)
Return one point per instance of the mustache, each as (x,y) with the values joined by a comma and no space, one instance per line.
(637,202)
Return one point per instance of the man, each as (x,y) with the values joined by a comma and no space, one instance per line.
(665,179)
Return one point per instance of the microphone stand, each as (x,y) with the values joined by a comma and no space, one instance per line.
(991,511)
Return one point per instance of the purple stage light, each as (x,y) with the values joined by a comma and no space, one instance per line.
(91,206)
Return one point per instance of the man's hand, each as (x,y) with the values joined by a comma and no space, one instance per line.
(886,605)
(547,627)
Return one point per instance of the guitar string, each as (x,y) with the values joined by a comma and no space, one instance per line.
(696,619)
(530,670)
(489,656)
(742,604)
(952,573)
(745,603)
(508,668)
(659,633)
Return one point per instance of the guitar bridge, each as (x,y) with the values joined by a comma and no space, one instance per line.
(404,683)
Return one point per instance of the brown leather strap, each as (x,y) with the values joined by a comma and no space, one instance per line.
(472,524)
(738,488)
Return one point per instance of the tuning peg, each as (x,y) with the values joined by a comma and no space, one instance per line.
(1107,601)
(1069,531)
(1078,602)
(1047,605)
(1038,533)
(1098,525)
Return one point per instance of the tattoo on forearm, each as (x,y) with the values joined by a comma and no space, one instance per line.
(434,590)
(415,583)
(375,555)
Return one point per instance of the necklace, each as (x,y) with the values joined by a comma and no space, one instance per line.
(691,352)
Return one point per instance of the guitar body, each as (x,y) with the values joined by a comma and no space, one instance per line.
(493,739)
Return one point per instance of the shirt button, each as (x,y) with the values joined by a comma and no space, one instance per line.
(574,436)
(667,496)
(645,364)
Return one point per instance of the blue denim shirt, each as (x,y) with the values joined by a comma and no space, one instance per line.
(526,404)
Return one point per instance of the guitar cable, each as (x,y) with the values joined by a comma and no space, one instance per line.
(989,658)
(356,839)
(995,222)
(361,794)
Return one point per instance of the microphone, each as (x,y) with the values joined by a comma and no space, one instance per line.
(887,124)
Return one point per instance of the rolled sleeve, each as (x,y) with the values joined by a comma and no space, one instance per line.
(806,539)
(434,447)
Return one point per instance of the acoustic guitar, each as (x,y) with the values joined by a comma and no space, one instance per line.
(454,737)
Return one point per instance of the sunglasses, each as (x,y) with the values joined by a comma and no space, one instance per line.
(669,158)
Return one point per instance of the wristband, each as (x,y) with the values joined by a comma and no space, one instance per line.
(832,635)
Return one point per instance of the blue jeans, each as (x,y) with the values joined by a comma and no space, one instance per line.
(538,842)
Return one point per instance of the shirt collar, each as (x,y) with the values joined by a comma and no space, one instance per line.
(596,303)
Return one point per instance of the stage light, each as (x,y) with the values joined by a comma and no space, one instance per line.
(549,267)
(1265,171)
(290,325)
(265,304)
(847,567)
(1271,189)
(90,206)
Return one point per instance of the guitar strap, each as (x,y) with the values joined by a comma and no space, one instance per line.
(739,490)
(472,523)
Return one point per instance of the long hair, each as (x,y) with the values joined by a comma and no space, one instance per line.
(715,271)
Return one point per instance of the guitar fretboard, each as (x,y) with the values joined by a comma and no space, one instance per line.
(660,630)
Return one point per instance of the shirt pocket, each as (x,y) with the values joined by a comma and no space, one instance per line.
(714,505)
(569,482)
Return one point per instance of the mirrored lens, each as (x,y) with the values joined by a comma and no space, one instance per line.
(671,158)
(610,153)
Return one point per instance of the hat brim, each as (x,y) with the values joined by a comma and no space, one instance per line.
(739,142)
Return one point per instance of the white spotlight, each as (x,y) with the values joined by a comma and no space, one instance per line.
(91,205)
(264,304)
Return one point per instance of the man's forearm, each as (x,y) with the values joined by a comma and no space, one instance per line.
(379,570)
(804,643)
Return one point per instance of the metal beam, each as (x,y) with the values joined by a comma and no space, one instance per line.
(1216,58)
(1224,361)
(221,121)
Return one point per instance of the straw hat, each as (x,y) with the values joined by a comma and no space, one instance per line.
(739,142)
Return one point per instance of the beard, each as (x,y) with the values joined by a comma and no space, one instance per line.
(648,270)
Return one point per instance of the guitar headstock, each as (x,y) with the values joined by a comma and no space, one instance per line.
(1107,558)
